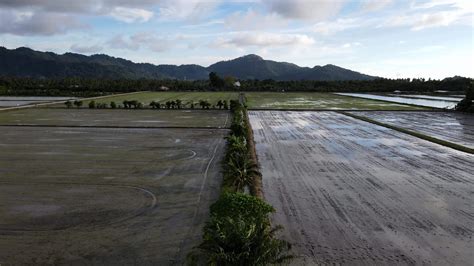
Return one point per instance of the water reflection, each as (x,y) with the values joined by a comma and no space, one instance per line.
(437,103)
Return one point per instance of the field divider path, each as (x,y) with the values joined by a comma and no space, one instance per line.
(58,102)
(412,133)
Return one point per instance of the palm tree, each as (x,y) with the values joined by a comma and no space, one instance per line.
(77,103)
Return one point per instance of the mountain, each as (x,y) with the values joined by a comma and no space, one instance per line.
(25,62)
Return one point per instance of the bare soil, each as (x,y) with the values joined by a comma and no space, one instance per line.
(115,118)
(106,196)
(350,192)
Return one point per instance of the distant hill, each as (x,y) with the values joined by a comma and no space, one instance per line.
(25,62)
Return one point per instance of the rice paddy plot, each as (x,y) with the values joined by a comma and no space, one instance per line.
(317,101)
(450,126)
(350,192)
(116,117)
(12,101)
(106,196)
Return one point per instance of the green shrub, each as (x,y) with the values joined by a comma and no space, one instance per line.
(92,104)
(466,104)
(239,234)
(248,207)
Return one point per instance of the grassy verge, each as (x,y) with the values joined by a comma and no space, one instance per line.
(239,230)
(413,133)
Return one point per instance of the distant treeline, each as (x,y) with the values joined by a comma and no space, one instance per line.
(94,87)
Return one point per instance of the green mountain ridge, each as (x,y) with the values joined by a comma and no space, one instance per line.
(25,62)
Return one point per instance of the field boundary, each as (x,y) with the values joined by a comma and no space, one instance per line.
(413,133)
(58,102)
(342,110)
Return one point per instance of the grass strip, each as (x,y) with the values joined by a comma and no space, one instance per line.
(413,133)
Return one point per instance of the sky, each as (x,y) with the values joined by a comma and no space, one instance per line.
(387,38)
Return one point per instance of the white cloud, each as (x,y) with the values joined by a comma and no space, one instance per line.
(62,12)
(119,42)
(434,13)
(351,44)
(30,23)
(147,40)
(86,49)
(424,19)
(331,27)
(265,40)
(252,20)
(186,9)
(150,41)
(374,5)
(130,15)
(458,4)
(304,9)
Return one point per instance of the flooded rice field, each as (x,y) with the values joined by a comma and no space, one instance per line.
(116,118)
(318,101)
(450,126)
(105,196)
(350,192)
(436,103)
(12,101)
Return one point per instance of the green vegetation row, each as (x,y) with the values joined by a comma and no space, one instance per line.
(413,133)
(83,87)
(134,104)
(239,230)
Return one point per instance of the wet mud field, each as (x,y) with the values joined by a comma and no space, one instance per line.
(350,192)
(116,118)
(318,101)
(450,126)
(106,196)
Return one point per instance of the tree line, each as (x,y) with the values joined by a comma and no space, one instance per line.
(134,104)
(83,87)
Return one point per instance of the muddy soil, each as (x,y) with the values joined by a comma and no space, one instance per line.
(100,196)
(116,118)
(350,192)
(450,126)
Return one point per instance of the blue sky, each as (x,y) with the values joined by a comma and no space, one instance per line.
(430,38)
